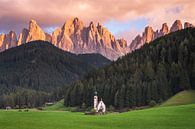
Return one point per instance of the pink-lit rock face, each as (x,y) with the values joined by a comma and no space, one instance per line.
(150,35)
(2,38)
(48,37)
(177,25)
(164,30)
(122,42)
(147,37)
(77,38)
(10,40)
(23,36)
(35,32)
(136,43)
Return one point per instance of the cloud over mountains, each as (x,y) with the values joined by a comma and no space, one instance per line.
(15,15)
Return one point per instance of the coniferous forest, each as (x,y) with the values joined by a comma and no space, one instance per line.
(38,72)
(151,74)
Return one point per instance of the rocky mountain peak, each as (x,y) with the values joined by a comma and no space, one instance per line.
(177,25)
(187,25)
(165,29)
(92,26)
(77,38)
(32,24)
(8,40)
(72,25)
(148,34)
(2,38)
(136,43)
(35,32)
(11,39)
(122,42)
(23,36)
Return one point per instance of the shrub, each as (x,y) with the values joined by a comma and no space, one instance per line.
(152,103)
(39,108)
(93,110)
(160,101)
(111,108)
(83,107)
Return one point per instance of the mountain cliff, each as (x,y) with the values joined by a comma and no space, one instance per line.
(149,34)
(75,37)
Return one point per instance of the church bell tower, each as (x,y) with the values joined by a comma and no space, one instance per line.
(95,102)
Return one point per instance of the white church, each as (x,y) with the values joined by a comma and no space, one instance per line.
(99,107)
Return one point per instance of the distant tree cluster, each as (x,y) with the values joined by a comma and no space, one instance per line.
(146,76)
(24,98)
(29,98)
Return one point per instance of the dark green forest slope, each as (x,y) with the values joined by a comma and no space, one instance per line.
(41,67)
(155,72)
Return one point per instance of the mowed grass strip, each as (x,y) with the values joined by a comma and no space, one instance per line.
(171,117)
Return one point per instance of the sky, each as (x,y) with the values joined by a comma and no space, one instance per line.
(124,18)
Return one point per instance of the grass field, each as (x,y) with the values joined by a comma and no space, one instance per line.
(182,98)
(176,113)
(171,117)
(58,106)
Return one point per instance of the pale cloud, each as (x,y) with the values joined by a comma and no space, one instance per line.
(15,14)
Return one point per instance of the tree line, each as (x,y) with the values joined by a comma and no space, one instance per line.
(29,98)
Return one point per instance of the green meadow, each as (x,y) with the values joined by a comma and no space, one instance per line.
(171,117)
(167,116)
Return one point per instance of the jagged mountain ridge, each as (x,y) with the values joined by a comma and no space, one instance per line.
(77,38)
(149,34)
(73,36)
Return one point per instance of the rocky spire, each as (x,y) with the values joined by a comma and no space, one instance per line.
(177,25)
(148,34)
(48,37)
(165,29)
(75,37)
(56,36)
(136,43)
(23,36)
(2,38)
(122,42)
(35,32)
(10,40)
(187,25)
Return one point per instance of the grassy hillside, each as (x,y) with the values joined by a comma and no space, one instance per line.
(182,98)
(58,106)
(172,117)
